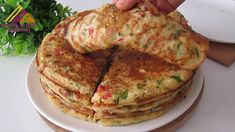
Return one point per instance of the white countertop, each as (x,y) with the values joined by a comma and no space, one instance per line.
(215,112)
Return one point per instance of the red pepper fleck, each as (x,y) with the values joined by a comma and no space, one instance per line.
(90,31)
(120,39)
(141,14)
(100,88)
(107,95)
(63,92)
(78,94)
(103,88)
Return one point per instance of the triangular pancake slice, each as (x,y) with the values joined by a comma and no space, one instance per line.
(136,78)
(147,106)
(135,117)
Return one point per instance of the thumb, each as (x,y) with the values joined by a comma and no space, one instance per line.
(125,4)
(175,3)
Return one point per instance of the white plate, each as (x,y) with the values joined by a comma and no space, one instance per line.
(45,108)
(215,19)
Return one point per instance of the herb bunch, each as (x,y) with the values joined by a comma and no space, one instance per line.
(47,14)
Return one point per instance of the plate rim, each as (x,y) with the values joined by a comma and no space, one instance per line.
(68,127)
(210,36)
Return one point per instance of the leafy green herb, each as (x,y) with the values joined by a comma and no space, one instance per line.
(140,85)
(47,14)
(177,78)
(176,34)
(197,52)
(159,82)
(72,101)
(122,95)
(179,44)
(120,34)
(116,100)
(100,100)
(78,85)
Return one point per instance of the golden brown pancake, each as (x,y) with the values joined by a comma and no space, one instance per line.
(135,78)
(143,28)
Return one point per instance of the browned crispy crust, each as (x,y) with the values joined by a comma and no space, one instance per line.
(98,29)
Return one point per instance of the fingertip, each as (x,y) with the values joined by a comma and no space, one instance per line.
(175,3)
(163,5)
(114,1)
(125,4)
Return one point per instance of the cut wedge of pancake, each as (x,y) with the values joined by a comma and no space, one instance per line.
(136,117)
(143,28)
(136,78)
(150,105)
(148,108)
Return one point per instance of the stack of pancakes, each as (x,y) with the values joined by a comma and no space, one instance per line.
(113,86)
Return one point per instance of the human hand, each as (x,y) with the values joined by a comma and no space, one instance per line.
(166,6)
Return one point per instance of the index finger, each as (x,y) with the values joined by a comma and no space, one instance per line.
(125,4)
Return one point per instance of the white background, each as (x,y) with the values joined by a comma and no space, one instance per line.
(216,110)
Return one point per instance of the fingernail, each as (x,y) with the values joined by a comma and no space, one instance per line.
(115,1)
(121,2)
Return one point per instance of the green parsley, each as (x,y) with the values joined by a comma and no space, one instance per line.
(141,85)
(197,52)
(47,14)
(179,44)
(122,95)
(120,34)
(177,78)
(159,82)
(176,34)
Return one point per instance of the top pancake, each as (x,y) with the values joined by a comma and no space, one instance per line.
(142,28)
